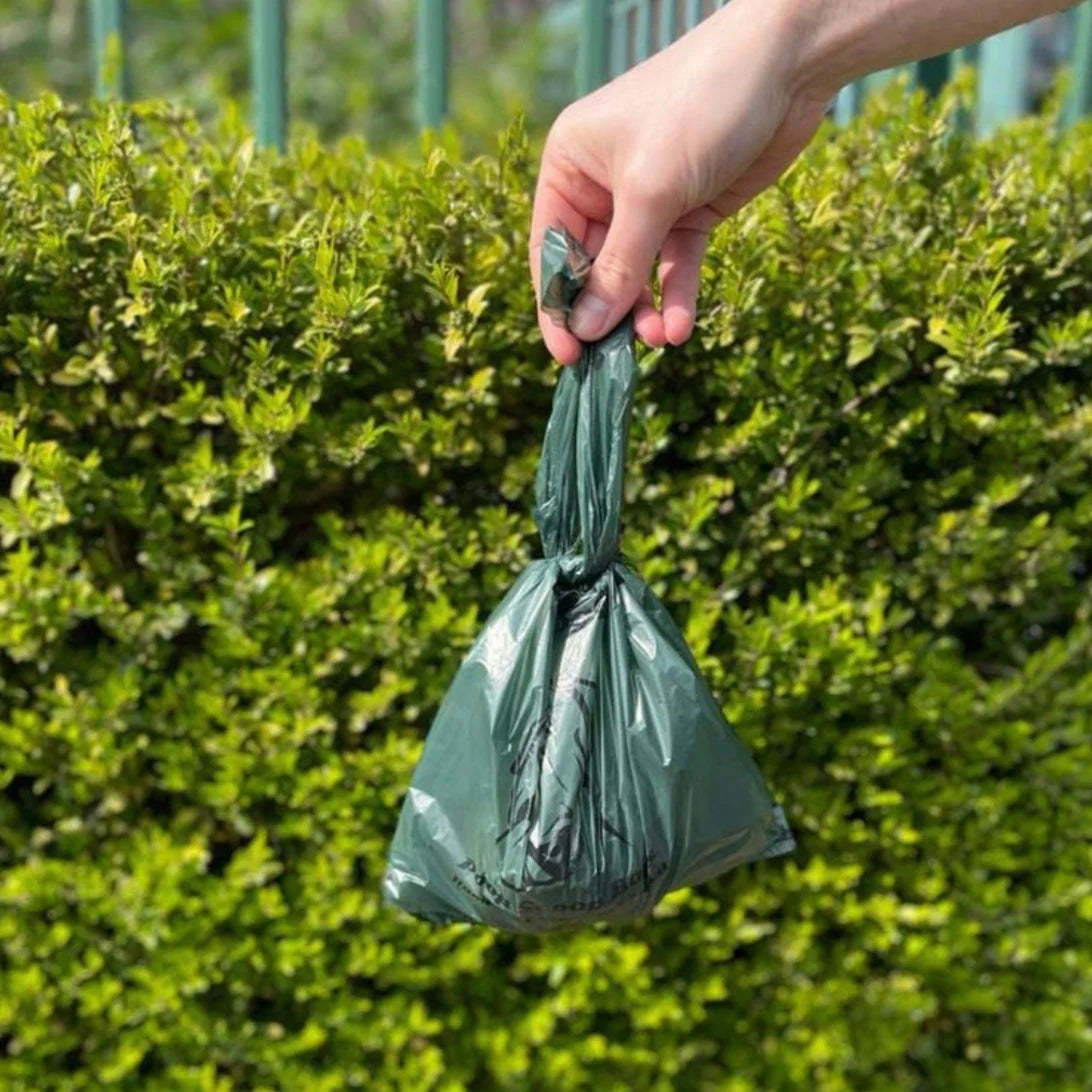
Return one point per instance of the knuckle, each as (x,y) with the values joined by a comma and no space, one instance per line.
(563,126)
(645,186)
(613,270)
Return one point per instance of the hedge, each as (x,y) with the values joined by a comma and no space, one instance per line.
(268,430)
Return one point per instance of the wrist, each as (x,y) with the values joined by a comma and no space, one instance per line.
(821,46)
(810,43)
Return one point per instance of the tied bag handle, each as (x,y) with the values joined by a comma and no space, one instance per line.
(578,487)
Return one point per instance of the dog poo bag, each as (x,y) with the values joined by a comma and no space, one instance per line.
(578,768)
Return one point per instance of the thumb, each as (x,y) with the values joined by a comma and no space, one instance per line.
(623,266)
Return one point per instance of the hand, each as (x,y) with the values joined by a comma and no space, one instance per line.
(648,164)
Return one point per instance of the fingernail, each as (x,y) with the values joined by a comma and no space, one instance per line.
(588,317)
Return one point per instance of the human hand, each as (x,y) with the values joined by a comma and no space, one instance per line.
(648,164)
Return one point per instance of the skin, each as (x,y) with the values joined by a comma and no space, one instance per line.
(642,169)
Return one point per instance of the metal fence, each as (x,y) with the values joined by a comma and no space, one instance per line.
(617,34)
(268,49)
(612,36)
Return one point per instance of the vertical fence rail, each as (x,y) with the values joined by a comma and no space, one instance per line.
(668,9)
(592,47)
(619,37)
(1080,64)
(110,47)
(644,31)
(268,49)
(1003,65)
(433,66)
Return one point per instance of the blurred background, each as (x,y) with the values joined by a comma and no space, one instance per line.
(351,64)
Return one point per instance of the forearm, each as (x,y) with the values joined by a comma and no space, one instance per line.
(841,40)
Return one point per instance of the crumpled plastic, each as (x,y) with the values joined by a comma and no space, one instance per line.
(578,768)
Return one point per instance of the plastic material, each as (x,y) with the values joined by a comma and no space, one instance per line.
(578,768)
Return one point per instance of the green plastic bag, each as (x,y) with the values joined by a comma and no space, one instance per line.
(578,768)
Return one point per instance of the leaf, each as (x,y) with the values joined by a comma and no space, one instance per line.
(475,302)
(21,482)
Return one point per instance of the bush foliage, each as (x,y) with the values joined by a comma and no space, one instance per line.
(268,429)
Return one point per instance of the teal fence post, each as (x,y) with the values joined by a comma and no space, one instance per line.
(620,59)
(693,13)
(644,31)
(642,39)
(1003,63)
(433,65)
(1080,63)
(591,69)
(109,47)
(267,41)
(668,9)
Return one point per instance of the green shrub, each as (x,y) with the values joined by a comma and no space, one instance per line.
(268,430)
